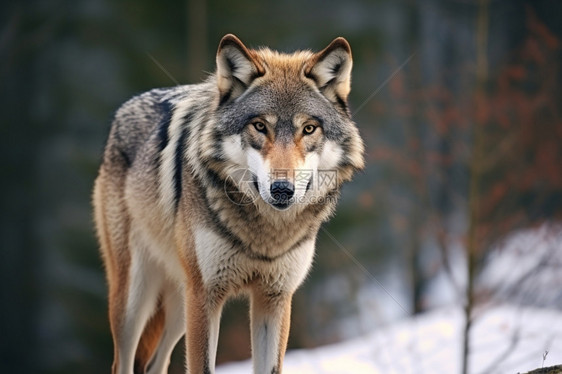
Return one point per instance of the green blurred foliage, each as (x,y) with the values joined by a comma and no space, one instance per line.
(65,67)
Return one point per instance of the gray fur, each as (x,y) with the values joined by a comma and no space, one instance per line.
(166,169)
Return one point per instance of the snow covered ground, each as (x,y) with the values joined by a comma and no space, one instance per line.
(505,339)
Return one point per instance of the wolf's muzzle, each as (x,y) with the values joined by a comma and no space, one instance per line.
(281,192)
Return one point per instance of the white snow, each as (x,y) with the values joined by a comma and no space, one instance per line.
(505,339)
(527,269)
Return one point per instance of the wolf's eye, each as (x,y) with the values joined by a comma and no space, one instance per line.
(259,126)
(309,129)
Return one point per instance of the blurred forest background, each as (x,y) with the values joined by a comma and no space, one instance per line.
(459,102)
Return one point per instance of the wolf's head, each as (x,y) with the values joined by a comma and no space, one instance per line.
(283,124)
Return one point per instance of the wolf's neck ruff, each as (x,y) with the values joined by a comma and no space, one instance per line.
(212,189)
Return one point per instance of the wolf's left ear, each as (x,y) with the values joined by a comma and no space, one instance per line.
(237,67)
(331,70)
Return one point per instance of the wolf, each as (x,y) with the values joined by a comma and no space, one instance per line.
(215,189)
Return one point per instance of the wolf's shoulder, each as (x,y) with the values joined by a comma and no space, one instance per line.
(152,102)
(147,116)
(151,106)
(137,118)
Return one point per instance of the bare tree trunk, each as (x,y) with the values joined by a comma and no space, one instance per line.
(414,133)
(196,39)
(21,257)
(473,249)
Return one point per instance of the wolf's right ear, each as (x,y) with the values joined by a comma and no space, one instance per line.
(331,70)
(237,67)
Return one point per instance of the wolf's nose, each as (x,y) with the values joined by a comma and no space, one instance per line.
(282,191)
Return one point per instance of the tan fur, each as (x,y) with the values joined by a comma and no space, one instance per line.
(114,250)
(284,336)
(198,309)
(150,338)
(283,160)
(175,240)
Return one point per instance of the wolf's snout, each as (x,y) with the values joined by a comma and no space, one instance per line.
(282,191)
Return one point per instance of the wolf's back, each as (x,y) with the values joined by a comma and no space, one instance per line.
(142,119)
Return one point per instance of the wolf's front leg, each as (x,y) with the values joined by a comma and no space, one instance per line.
(202,331)
(270,321)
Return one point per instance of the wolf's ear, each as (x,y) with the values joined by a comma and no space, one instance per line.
(331,70)
(237,67)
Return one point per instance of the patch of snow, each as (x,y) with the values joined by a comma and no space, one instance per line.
(526,268)
(504,339)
